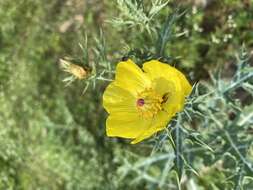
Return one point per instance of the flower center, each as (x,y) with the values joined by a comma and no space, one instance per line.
(149,103)
(140,102)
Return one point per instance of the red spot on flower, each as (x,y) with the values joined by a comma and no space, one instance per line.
(140,102)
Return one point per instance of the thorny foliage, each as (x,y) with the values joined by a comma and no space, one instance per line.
(135,13)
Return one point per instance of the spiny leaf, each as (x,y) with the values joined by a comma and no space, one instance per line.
(165,34)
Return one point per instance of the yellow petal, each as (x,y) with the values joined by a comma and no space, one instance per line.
(125,125)
(162,86)
(129,76)
(172,90)
(117,99)
(158,123)
(155,68)
(185,83)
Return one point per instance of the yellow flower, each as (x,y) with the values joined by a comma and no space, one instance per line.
(140,102)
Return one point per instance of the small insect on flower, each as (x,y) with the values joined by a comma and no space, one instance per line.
(140,102)
(76,71)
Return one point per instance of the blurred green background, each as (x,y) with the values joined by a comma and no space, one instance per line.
(52,136)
